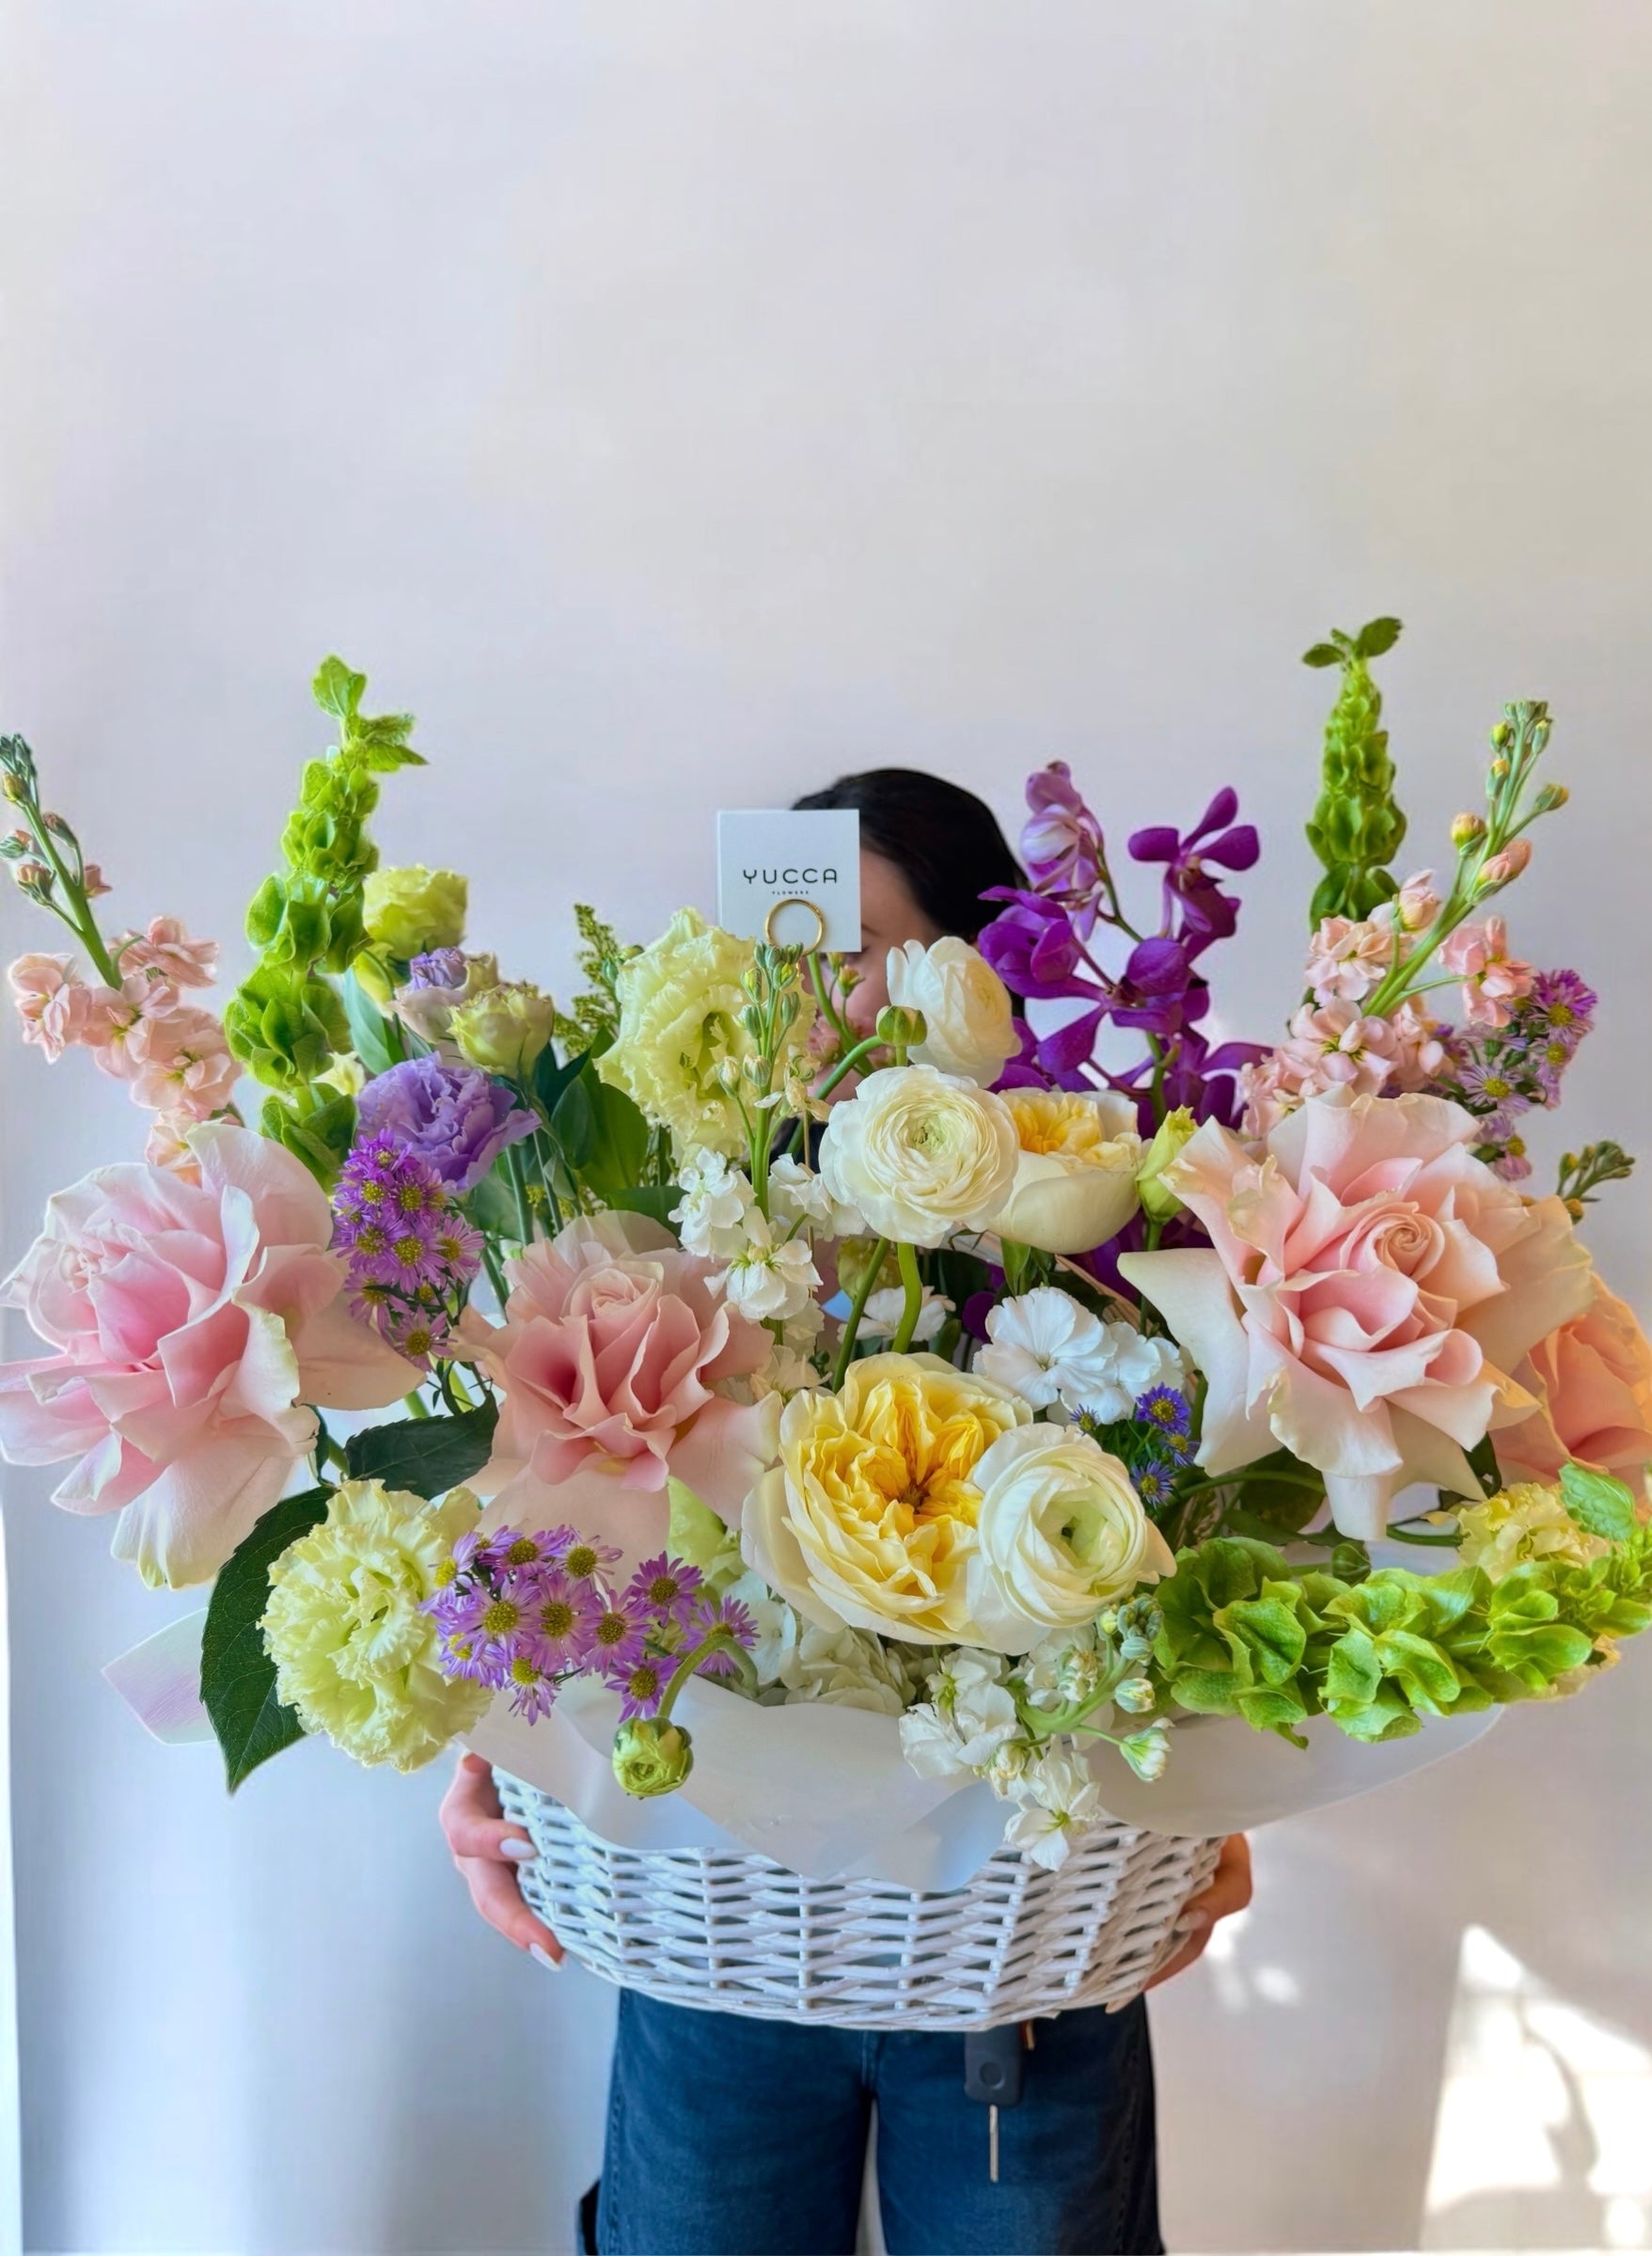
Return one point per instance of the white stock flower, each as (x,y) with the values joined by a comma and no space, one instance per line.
(881,1317)
(798,1194)
(1047,1349)
(967,1015)
(1061,1800)
(1061,1531)
(931,1743)
(969,1690)
(717,1201)
(921,1153)
(1063,1669)
(766,1281)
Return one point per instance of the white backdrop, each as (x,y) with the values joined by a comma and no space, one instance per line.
(676,405)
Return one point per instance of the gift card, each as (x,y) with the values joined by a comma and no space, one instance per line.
(792,875)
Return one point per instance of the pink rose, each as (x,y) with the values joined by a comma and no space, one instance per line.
(51,1001)
(610,1361)
(1593,1383)
(1492,978)
(1370,1288)
(193,1321)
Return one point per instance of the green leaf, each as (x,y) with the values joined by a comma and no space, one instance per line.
(238,1677)
(574,1123)
(655,1200)
(429,1456)
(1322,654)
(618,1152)
(1377,635)
(368,1034)
(550,1079)
(336,689)
(1600,1504)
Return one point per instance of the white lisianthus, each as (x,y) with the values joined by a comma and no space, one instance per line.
(921,1153)
(716,1200)
(769,1281)
(1061,1531)
(881,1317)
(1047,1349)
(1059,1800)
(968,1016)
(1074,1183)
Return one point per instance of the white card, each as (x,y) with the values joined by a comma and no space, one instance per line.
(778,865)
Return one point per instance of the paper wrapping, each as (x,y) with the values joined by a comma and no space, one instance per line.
(826,1791)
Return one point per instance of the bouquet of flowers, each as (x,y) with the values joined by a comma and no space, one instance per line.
(1030,1374)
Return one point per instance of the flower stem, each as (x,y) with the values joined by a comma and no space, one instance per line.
(720,1641)
(414,1405)
(514,1168)
(829,1010)
(856,1309)
(914,1307)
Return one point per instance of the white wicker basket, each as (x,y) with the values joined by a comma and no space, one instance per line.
(741,1934)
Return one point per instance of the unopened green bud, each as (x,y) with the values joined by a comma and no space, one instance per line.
(374,977)
(1157,1199)
(1135,1696)
(14,787)
(652,1757)
(503,1029)
(900,1028)
(1551,797)
(1147,1752)
(1501,734)
(1466,830)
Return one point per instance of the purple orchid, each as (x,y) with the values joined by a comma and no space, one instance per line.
(1191,892)
(1063,844)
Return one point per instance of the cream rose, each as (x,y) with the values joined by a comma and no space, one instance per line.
(1060,1533)
(968,1020)
(869,1518)
(920,1154)
(1074,1183)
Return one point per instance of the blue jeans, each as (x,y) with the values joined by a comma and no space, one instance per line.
(730,2137)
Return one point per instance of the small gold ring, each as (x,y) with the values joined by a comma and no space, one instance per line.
(794,901)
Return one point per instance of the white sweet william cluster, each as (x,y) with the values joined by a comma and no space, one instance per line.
(1055,1354)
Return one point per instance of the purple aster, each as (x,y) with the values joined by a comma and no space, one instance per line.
(1563,1002)
(641,1682)
(463,1656)
(722,1614)
(1164,1408)
(533,1690)
(453,1117)
(1511,1163)
(1154,1479)
(1490,1083)
(666,1586)
(619,1638)
(583,1558)
(562,1621)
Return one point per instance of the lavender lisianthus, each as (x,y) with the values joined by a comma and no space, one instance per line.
(454,1119)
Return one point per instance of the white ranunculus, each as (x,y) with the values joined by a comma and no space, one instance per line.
(1062,1533)
(1074,1183)
(1047,1349)
(967,1015)
(921,1153)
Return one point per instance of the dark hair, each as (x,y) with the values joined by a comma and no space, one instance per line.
(944,841)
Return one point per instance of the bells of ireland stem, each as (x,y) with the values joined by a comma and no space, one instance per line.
(1355,829)
(1159,1202)
(652,1757)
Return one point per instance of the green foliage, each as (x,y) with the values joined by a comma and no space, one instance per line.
(1600,1504)
(429,1456)
(1582,1173)
(238,1678)
(1355,829)
(286,1021)
(593,1018)
(1246,1632)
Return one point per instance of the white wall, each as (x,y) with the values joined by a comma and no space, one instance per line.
(676,404)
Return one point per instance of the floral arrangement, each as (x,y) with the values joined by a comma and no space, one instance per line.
(1034,1373)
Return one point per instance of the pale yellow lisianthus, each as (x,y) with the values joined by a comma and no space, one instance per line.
(410,911)
(503,1028)
(680,1004)
(353,1655)
(1526,1521)
(1074,1183)
(869,1518)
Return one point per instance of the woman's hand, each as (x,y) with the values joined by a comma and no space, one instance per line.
(1229,1891)
(487,1852)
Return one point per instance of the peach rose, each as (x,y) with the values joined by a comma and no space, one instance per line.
(193,1321)
(1370,1289)
(610,1358)
(1592,1383)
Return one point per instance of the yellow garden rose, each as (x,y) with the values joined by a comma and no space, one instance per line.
(680,1004)
(1074,1183)
(870,1517)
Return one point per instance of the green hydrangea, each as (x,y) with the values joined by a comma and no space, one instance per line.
(355,1657)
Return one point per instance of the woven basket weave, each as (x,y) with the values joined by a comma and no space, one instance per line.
(741,1934)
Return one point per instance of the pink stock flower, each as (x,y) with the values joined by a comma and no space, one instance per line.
(609,1360)
(93,882)
(178,1061)
(53,1001)
(1493,979)
(1347,961)
(165,958)
(1415,907)
(1418,1051)
(192,1324)
(1501,869)
(1591,1380)
(1338,1047)
(165,1146)
(1369,1291)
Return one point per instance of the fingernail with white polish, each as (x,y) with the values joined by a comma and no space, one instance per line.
(537,1951)
(518,1851)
